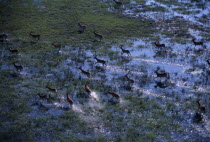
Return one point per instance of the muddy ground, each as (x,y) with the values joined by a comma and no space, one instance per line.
(157,100)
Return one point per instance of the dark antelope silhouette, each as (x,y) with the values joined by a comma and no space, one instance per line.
(157,44)
(129,79)
(100,36)
(51,88)
(200,106)
(87,89)
(162,74)
(85,72)
(125,51)
(18,67)
(42,96)
(82,27)
(35,36)
(100,61)
(69,99)
(58,46)
(13,50)
(117,96)
(197,42)
(118,3)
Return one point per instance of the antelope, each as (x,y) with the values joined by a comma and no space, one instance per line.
(118,3)
(100,61)
(197,43)
(157,44)
(36,36)
(82,27)
(18,67)
(14,50)
(69,99)
(85,72)
(160,85)
(42,96)
(100,36)
(51,89)
(117,96)
(129,79)
(125,51)
(87,89)
(200,106)
(162,74)
(58,46)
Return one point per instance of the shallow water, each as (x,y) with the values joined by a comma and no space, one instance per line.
(170,11)
(187,79)
(185,72)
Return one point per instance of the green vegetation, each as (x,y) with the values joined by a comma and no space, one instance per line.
(56,21)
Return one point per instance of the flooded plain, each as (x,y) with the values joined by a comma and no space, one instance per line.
(149,89)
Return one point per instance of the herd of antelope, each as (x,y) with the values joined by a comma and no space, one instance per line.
(82,29)
(159,73)
(198,117)
(69,99)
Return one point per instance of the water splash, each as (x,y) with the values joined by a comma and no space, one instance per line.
(77,108)
(94,96)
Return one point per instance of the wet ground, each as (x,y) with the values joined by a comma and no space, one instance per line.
(153,108)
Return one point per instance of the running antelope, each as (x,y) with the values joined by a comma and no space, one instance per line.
(117,96)
(162,74)
(69,99)
(85,72)
(13,50)
(18,67)
(57,46)
(118,3)
(82,27)
(200,106)
(100,36)
(35,36)
(51,88)
(42,96)
(129,79)
(197,42)
(100,61)
(125,51)
(157,44)
(87,89)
